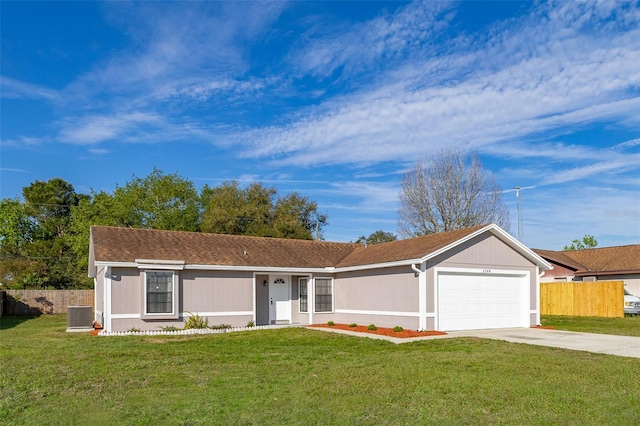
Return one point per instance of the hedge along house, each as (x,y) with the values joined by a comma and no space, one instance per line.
(474,278)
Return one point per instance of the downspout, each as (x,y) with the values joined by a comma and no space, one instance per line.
(107,299)
(538,321)
(422,297)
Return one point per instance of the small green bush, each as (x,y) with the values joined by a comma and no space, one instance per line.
(170,328)
(331,323)
(219,327)
(398,329)
(353,324)
(372,327)
(134,330)
(251,324)
(195,321)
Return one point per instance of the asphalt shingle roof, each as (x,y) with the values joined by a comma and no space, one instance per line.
(113,244)
(602,260)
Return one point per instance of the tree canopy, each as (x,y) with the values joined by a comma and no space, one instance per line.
(377,237)
(449,191)
(587,242)
(44,240)
(34,240)
(258,210)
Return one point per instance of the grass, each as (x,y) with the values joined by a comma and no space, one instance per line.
(627,326)
(301,376)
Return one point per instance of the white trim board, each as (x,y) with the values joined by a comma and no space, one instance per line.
(382,313)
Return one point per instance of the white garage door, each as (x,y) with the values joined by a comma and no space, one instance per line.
(480,301)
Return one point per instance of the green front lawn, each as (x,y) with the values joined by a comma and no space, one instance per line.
(301,376)
(627,326)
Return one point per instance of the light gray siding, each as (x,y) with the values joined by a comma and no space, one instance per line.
(126,288)
(386,289)
(216,291)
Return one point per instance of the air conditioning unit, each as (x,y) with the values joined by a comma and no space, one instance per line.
(79,318)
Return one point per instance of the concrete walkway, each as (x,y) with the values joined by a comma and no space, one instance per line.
(590,342)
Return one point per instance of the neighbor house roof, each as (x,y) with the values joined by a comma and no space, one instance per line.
(113,245)
(597,261)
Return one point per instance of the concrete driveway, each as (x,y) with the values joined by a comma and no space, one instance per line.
(590,342)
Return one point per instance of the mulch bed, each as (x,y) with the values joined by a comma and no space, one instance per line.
(382,331)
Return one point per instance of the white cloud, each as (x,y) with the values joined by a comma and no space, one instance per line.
(565,79)
(628,144)
(94,129)
(16,89)
(324,48)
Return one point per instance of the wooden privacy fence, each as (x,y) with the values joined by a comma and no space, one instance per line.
(34,302)
(583,298)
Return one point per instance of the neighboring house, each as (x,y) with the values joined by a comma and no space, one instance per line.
(474,278)
(595,264)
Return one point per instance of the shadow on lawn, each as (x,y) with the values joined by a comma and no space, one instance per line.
(7,322)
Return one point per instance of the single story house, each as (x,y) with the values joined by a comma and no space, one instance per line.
(619,263)
(475,278)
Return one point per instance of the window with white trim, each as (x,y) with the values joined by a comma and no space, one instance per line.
(159,292)
(303,294)
(323,295)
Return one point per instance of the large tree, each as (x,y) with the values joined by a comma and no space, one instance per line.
(257,210)
(157,201)
(160,201)
(449,191)
(34,244)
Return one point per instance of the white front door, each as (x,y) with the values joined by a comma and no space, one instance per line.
(279,299)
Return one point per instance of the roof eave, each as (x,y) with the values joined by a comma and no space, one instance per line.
(619,272)
(247,268)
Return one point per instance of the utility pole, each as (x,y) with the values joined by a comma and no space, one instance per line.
(520,225)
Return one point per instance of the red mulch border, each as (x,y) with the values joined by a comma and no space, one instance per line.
(383,331)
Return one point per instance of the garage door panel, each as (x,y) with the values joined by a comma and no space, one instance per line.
(480,301)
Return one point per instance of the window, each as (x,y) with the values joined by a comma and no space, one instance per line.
(324,294)
(303,293)
(159,292)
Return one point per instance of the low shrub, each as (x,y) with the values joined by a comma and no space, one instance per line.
(219,327)
(251,324)
(195,321)
(398,329)
(372,327)
(353,324)
(133,330)
(331,323)
(170,328)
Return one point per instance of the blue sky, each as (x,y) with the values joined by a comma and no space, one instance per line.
(335,100)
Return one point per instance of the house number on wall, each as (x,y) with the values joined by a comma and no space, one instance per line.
(486,271)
